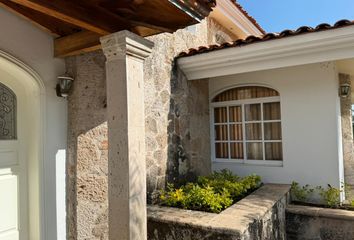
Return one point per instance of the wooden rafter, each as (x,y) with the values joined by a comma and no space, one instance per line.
(87,41)
(43,21)
(78,24)
(77,43)
(157,26)
(81,15)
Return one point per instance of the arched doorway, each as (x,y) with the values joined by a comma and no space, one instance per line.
(21,149)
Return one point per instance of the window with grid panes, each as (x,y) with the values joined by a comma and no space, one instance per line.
(247,126)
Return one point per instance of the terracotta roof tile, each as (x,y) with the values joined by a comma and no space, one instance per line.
(267,37)
(248,16)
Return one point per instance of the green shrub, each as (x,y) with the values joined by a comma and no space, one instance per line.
(331,195)
(213,193)
(173,197)
(300,193)
(236,186)
(205,199)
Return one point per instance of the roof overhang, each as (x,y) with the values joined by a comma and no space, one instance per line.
(331,45)
(229,15)
(78,25)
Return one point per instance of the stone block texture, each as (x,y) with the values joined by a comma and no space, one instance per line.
(347,134)
(176,127)
(87,155)
(176,110)
(125,52)
(312,223)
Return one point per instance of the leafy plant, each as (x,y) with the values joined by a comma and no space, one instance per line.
(236,186)
(213,193)
(331,195)
(172,197)
(300,193)
(200,198)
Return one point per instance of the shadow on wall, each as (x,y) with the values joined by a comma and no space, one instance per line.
(188,130)
(186,140)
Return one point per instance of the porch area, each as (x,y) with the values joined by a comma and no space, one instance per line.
(137,113)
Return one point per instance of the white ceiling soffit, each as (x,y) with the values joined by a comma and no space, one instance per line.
(308,48)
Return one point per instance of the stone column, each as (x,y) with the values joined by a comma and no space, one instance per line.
(347,133)
(125,53)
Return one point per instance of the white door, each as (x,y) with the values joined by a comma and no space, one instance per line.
(13,177)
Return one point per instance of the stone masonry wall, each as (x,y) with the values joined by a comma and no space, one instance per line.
(177,127)
(177,110)
(347,134)
(87,156)
(313,223)
(260,216)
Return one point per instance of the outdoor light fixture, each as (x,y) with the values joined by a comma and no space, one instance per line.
(64,86)
(344,90)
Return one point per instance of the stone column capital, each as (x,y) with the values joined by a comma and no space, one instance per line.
(124,43)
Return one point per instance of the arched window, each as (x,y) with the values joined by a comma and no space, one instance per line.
(7,113)
(247,126)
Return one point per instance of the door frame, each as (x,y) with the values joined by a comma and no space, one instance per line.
(35,95)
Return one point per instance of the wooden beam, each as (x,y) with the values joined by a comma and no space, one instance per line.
(87,41)
(97,20)
(45,22)
(122,4)
(158,27)
(92,18)
(144,31)
(77,43)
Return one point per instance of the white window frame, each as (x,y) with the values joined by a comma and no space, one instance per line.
(242,103)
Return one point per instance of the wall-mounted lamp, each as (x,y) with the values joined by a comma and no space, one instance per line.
(64,86)
(344,90)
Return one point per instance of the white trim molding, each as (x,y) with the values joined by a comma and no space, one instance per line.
(241,103)
(307,48)
(27,69)
(35,97)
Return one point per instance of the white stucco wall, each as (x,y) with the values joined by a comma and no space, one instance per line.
(34,47)
(310,123)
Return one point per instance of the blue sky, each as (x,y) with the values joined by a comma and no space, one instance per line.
(278,15)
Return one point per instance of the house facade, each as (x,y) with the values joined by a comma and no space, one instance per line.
(36,149)
(54,151)
(143,111)
(277,105)
(177,141)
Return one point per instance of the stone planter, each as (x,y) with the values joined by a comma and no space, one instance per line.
(260,215)
(314,223)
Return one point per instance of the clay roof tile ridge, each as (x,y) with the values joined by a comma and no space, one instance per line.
(269,36)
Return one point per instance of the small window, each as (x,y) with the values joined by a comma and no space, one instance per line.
(247,126)
(7,113)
